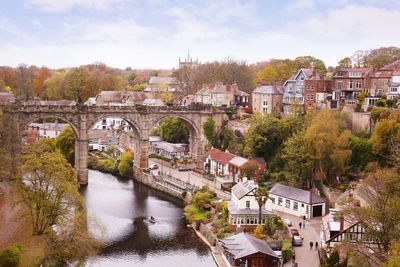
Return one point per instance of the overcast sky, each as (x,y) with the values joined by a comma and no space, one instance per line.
(155,33)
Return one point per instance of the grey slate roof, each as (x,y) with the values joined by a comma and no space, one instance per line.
(268,89)
(243,245)
(242,189)
(295,194)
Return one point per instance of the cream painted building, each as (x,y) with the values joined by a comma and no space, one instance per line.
(267,99)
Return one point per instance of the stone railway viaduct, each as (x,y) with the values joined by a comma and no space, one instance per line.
(142,119)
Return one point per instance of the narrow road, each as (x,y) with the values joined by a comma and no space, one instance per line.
(305,257)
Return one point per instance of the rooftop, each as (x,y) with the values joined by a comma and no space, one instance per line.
(268,89)
(238,161)
(242,245)
(154,80)
(49,126)
(219,156)
(296,194)
(243,188)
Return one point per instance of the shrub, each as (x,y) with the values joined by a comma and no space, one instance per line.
(10,257)
(125,167)
(287,250)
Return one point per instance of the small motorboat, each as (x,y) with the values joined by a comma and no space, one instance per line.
(152,220)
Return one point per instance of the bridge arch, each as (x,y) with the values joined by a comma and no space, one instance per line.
(95,119)
(24,123)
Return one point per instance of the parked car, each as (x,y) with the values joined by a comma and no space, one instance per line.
(287,221)
(153,167)
(183,169)
(294,232)
(297,240)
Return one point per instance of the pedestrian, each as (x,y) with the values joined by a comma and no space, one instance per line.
(304,221)
(300,225)
(311,245)
(316,245)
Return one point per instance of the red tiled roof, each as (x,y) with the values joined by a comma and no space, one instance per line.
(219,156)
(392,66)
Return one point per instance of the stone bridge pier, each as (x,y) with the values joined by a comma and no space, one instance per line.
(82,118)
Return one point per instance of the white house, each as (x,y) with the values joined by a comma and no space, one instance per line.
(112,123)
(394,86)
(295,201)
(47,130)
(243,208)
(217,162)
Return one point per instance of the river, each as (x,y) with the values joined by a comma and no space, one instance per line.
(122,207)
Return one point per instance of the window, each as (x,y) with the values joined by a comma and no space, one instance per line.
(295,205)
(350,84)
(273,200)
(339,85)
(312,97)
(287,205)
(247,204)
(393,89)
(358,85)
(302,205)
(355,74)
(279,201)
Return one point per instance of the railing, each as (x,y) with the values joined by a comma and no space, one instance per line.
(169,179)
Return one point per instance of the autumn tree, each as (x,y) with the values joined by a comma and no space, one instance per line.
(380,57)
(186,78)
(9,76)
(55,86)
(381,217)
(24,82)
(38,84)
(345,62)
(49,188)
(76,84)
(386,131)
(173,130)
(249,169)
(329,145)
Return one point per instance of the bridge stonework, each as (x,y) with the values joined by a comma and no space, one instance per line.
(142,120)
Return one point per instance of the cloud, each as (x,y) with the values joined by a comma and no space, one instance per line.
(63,5)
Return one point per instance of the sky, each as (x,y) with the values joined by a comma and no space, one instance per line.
(156,33)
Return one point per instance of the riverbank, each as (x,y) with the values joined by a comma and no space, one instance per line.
(217,256)
(15,228)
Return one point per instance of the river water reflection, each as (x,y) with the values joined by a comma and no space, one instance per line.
(123,206)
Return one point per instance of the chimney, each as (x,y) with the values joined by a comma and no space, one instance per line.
(341,221)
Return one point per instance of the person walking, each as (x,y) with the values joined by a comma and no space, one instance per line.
(316,245)
(300,225)
(304,221)
(311,245)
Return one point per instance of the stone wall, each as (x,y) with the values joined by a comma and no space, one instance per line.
(358,121)
(206,232)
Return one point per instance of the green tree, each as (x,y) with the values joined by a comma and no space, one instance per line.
(125,166)
(380,57)
(264,136)
(210,132)
(298,157)
(173,130)
(54,86)
(65,143)
(361,153)
(11,256)
(261,195)
(76,84)
(49,189)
